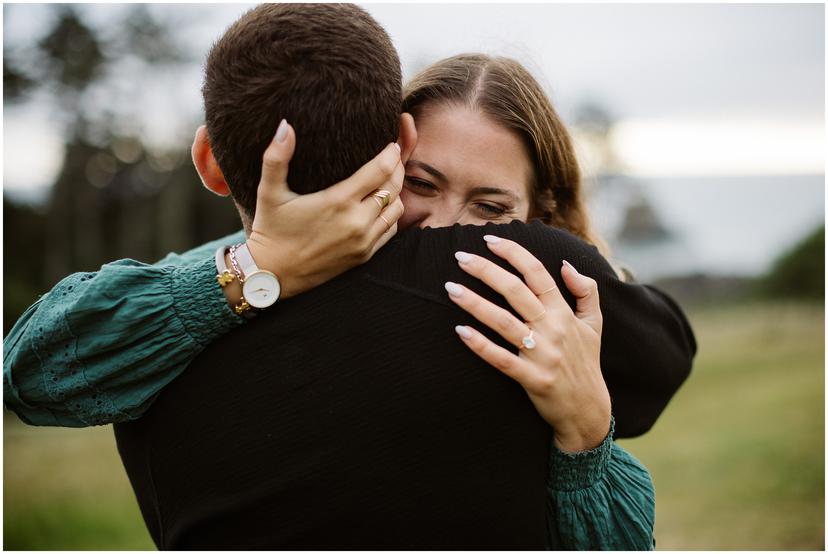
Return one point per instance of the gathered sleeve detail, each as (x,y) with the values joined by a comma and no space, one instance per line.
(100,346)
(187,289)
(600,499)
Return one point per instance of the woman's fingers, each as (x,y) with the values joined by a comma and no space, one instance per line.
(273,186)
(491,315)
(560,367)
(383,179)
(384,238)
(585,290)
(507,284)
(538,279)
(511,365)
(378,173)
(384,193)
(385,225)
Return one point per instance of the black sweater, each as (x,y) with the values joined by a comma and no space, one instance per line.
(353,417)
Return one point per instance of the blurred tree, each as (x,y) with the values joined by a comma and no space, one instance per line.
(73,54)
(15,83)
(799,272)
(147,39)
(114,197)
(23,272)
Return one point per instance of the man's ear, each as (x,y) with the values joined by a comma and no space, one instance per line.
(408,136)
(206,165)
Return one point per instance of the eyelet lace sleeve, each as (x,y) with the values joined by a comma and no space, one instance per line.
(600,499)
(99,346)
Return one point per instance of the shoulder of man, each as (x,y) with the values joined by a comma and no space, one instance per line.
(647,344)
(422,260)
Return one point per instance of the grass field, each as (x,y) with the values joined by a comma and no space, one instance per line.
(737,458)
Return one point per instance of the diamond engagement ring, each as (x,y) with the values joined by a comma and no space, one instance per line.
(529,340)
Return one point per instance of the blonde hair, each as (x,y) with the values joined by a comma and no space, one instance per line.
(505,91)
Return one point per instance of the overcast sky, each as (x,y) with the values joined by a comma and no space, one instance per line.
(696,88)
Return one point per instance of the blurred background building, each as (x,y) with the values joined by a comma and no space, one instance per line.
(700,129)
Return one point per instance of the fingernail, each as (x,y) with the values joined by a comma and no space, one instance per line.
(397,144)
(491,239)
(281,131)
(463,257)
(463,331)
(454,289)
(570,266)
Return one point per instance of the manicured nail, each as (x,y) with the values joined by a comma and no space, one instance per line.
(491,239)
(281,131)
(463,331)
(454,289)
(463,257)
(570,266)
(397,144)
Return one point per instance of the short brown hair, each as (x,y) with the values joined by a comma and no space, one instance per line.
(505,91)
(329,69)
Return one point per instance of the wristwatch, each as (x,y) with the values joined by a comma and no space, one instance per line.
(260,287)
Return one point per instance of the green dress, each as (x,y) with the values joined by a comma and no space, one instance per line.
(100,346)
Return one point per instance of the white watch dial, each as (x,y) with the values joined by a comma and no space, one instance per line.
(261,289)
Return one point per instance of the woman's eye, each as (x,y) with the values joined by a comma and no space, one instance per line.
(491,210)
(419,185)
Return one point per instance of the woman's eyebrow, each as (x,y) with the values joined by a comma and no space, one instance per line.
(428,169)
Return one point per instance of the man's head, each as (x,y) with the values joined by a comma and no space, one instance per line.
(329,69)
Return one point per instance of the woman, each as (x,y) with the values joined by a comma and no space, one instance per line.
(492,148)
(123,382)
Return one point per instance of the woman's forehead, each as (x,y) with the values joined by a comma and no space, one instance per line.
(468,146)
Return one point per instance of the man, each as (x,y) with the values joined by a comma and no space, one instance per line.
(349,416)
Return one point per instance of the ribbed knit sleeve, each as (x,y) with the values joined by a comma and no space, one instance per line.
(601,499)
(99,346)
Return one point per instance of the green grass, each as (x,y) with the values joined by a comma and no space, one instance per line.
(66,489)
(737,458)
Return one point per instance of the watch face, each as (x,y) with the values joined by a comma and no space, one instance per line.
(261,289)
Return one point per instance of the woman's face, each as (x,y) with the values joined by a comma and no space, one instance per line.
(465,169)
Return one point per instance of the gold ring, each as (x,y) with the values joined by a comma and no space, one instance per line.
(550,289)
(383,197)
(386,222)
(537,318)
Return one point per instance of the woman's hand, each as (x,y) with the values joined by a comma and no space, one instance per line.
(558,362)
(309,239)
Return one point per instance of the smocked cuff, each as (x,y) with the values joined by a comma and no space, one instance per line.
(580,470)
(200,303)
